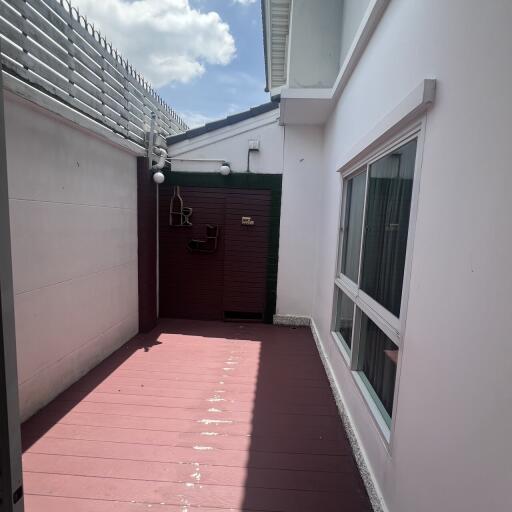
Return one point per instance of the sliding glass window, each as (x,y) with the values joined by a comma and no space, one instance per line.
(377,364)
(386,226)
(344,320)
(352,228)
(368,291)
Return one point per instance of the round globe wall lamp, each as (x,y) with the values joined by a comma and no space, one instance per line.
(225,170)
(158,177)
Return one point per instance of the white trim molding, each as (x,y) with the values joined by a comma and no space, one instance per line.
(363,35)
(406,112)
(276,28)
(292,320)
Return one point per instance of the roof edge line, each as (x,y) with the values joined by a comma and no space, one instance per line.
(227,121)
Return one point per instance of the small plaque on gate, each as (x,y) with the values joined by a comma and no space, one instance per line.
(247,221)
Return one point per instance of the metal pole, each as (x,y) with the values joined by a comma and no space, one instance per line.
(157,262)
(11,483)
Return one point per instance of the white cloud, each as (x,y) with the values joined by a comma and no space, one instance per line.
(195,119)
(165,40)
(244,2)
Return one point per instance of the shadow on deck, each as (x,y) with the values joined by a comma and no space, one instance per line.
(196,416)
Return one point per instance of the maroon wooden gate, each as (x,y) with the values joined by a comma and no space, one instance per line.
(208,279)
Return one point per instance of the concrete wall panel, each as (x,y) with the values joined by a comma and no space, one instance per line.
(73,205)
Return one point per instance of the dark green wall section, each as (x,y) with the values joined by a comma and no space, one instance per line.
(272,182)
(146,233)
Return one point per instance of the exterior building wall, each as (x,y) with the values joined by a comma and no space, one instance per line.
(314,43)
(351,18)
(301,216)
(294,152)
(73,207)
(450,449)
(315,49)
(231,144)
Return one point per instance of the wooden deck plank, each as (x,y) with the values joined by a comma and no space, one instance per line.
(277,444)
(183,473)
(151,492)
(137,395)
(39,503)
(196,416)
(202,454)
(278,422)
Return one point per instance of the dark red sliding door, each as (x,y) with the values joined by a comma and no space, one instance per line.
(214,257)
(245,253)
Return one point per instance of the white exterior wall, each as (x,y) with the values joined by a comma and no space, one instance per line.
(294,152)
(73,207)
(231,144)
(450,450)
(314,43)
(300,220)
(352,16)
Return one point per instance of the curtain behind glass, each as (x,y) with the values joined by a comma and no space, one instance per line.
(379,356)
(353,226)
(387,224)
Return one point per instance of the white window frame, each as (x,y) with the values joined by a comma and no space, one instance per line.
(392,326)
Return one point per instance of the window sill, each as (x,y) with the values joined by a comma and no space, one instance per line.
(342,348)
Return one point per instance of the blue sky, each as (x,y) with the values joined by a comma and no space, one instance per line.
(225,89)
(205,57)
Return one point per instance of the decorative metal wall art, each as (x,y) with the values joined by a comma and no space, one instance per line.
(206,246)
(179,215)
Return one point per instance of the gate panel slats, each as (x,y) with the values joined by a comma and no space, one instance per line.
(45,12)
(64,56)
(39,26)
(231,281)
(21,58)
(79,29)
(13,53)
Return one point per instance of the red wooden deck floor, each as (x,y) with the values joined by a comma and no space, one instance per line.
(196,416)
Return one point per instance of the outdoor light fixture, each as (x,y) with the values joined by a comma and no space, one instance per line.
(158,177)
(254,146)
(225,169)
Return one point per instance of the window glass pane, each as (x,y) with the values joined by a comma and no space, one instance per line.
(387,222)
(353,226)
(344,317)
(379,356)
